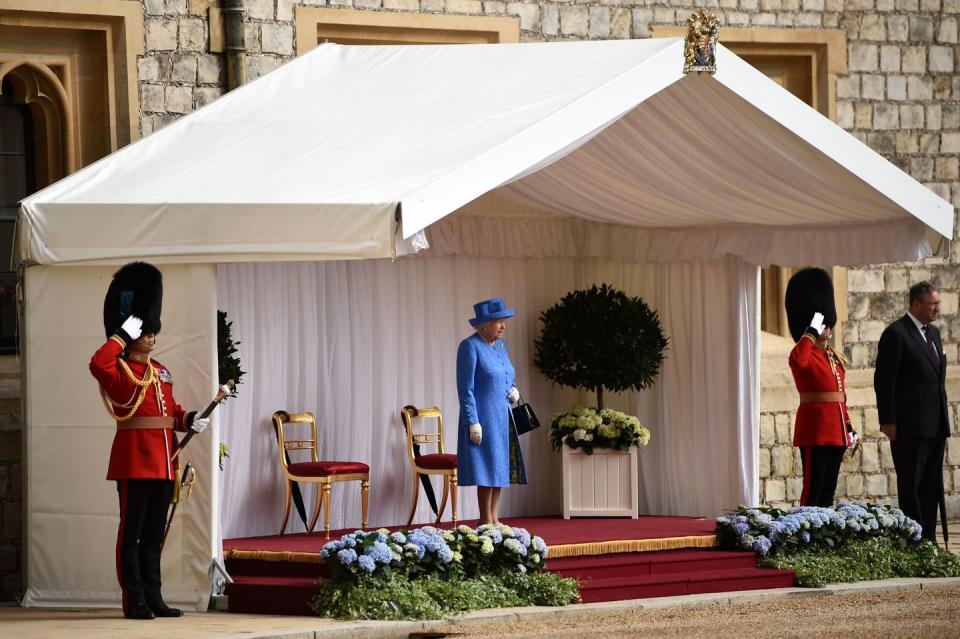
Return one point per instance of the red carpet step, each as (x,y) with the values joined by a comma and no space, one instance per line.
(667,573)
(668,556)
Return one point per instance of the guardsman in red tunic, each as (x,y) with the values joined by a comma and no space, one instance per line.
(822,430)
(138,394)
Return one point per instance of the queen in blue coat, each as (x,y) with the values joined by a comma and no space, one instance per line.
(488,450)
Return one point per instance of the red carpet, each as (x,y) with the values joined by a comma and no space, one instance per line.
(615,559)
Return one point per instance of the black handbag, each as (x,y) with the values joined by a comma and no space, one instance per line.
(524,419)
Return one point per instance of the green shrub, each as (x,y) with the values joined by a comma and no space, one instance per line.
(862,559)
(394,596)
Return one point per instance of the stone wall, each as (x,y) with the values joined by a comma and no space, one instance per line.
(11,480)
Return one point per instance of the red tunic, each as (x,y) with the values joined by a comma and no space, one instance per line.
(146,453)
(821,423)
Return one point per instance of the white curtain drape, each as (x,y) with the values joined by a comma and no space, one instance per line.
(353,342)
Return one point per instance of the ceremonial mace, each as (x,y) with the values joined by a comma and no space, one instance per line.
(189,475)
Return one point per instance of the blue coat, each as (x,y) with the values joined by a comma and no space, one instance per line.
(484,377)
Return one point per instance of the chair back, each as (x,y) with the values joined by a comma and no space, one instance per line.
(281,424)
(417,427)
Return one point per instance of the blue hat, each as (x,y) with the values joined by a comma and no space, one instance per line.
(489,310)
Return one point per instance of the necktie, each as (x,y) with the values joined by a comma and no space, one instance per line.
(933,349)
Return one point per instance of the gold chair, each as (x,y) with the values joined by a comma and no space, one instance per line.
(321,473)
(438,463)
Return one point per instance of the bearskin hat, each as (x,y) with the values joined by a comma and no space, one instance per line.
(136,289)
(809,291)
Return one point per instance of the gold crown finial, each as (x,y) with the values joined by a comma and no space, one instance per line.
(700,48)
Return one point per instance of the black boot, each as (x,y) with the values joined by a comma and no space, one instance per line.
(138,610)
(161,609)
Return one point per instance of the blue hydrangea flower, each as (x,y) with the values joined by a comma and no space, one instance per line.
(379,552)
(347,556)
(761,545)
(522,535)
(366,563)
(494,535)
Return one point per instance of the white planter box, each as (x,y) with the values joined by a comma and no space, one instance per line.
(603,484)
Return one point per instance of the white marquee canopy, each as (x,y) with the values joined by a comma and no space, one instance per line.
(600,159)
(312,161)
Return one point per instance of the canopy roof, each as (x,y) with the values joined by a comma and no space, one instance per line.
(318,160)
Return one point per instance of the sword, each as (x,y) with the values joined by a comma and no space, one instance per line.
(182,490)
(189,475)
(222,394)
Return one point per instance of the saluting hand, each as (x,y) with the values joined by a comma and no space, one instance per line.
(132,326)
(817,323)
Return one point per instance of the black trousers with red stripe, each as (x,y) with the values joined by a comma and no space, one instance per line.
(143,516)
(821,467)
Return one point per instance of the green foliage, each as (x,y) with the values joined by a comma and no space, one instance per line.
(394,596)
(543,588)
(228,362)
(600,338)
(224,453)
(228,366)
(861,559)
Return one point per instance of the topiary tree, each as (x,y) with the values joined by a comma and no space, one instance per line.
(600,338)
(228,364)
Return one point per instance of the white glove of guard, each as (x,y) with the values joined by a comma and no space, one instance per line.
(817,323)
(199,424)
(131,326)
(513,395)
(476,433)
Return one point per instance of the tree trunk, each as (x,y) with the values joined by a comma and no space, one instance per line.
(599,398)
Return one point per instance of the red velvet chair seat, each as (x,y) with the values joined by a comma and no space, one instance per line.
(327,468)
(437,461)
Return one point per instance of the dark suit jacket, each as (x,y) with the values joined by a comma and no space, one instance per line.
(911,390)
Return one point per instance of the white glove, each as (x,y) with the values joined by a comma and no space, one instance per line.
(817,323)
(476,433)
(131,326)
(513,395)
(199,424)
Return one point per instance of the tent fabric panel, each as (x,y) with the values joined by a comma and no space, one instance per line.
(696,154)
(71,510)
(834,142)
(542,236)
(543,142)
(205,233)
(353,124)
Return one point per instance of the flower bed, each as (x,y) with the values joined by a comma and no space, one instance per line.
(853,542)
(586,428)
(773,531)
(427,573)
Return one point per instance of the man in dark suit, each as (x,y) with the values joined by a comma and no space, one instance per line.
(912,404)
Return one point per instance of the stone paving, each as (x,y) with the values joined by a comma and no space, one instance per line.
(36,623)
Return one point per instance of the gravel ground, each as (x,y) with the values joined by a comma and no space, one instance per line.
(919,614)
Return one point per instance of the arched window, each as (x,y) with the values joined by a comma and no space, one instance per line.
(17,180)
